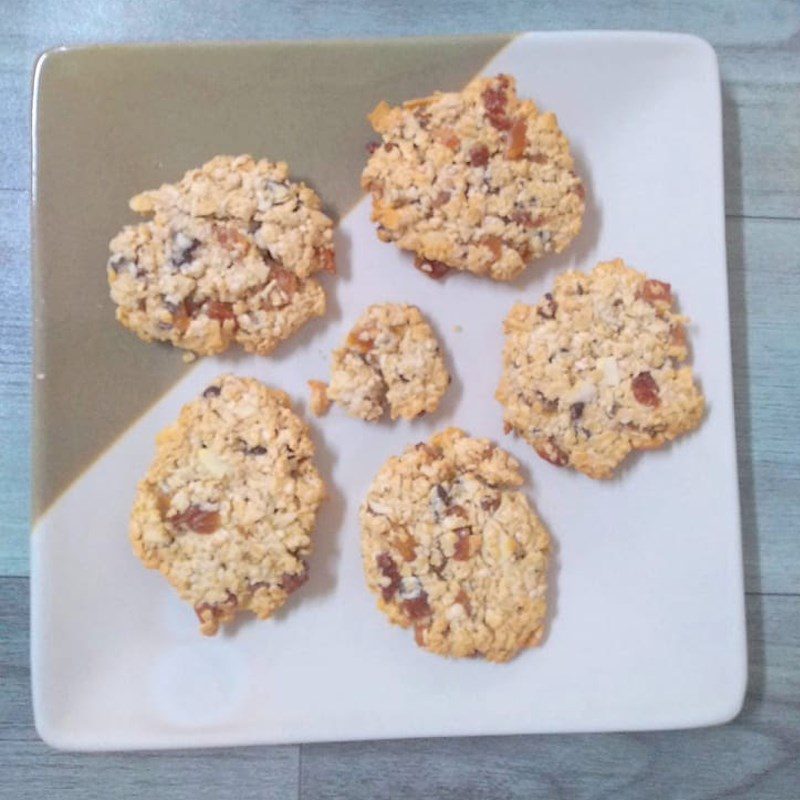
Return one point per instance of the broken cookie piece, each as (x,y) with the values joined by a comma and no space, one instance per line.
(390,359)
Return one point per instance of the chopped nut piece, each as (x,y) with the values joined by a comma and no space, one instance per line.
(657,293)
(447,137)
(406,545)
(361,340)
(327,261)
(433,269)
(462,544)
(551,452)
(287,281)
(678,335)
(495,245)
(463,600)
(163,502)
(419,634)
(515,147)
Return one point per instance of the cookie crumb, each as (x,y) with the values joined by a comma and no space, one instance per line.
(390,359)
(320,402)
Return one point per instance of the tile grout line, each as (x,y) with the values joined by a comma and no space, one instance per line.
(763,217)
(748,593)
(300,772)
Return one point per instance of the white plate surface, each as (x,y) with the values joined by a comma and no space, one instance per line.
(647,629)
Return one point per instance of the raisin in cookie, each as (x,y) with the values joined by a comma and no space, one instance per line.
(594,371)
(227,257)
(451,548)
(391,358)
(227,508)
(477,180)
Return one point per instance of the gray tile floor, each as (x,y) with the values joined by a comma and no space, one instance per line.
(758,755)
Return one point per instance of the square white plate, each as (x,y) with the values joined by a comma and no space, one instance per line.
(648,623)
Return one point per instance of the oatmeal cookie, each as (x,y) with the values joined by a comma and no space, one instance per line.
(227,257)
(477,180)
(391,358)
(452,548)
(595,371)
(227,508)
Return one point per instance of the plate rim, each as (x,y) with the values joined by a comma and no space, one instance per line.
(62,739)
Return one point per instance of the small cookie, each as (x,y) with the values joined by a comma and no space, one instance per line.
(451,548)
(594,371)
(227,257)
(391,358)
(475,180)
(226,510)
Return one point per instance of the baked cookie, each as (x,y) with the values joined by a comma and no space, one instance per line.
(391,358)
(226,510)
(227,257)
(451,548)
(594,371)
(475,180)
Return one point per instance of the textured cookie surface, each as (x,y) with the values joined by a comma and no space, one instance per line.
(391,358)
(475,180)
(595,370)
(452,548)
(227,257)
(227,508)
